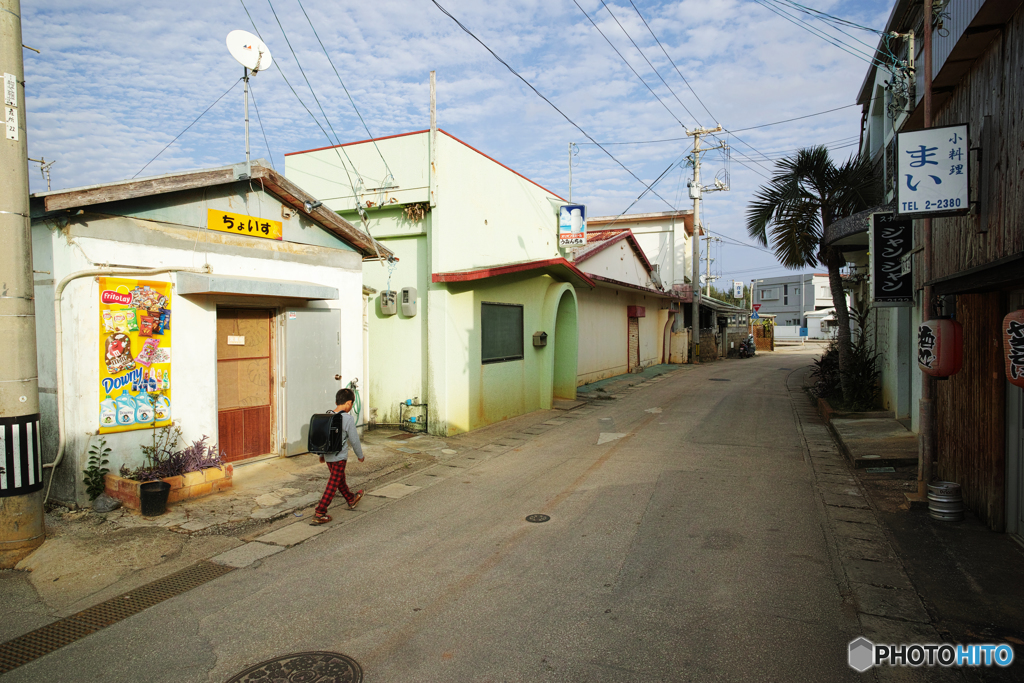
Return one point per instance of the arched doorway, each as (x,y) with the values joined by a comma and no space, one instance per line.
(566,347)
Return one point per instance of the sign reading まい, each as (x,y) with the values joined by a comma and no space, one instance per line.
(933,171)
(240,224)
(135,354)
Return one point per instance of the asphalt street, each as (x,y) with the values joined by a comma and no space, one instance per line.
(686,543)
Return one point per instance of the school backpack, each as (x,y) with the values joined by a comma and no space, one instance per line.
(326,435)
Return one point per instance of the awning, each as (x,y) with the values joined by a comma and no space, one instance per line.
(853,225)
(557,268)
(201,283)
(999,274)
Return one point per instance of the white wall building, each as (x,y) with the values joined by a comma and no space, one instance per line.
(258,326)
(790,297)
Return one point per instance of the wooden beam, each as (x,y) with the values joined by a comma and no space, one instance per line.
(120,191)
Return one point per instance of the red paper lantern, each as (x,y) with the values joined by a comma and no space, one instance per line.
(940,347)
(1013,347)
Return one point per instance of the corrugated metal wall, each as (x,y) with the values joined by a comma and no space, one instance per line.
(971,431)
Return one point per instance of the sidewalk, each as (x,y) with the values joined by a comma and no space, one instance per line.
(614,387)
(911,579)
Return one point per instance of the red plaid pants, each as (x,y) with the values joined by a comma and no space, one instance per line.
(335,483)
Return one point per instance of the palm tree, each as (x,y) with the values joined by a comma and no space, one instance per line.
(807,193)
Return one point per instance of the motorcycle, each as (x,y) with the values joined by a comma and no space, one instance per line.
(748,348)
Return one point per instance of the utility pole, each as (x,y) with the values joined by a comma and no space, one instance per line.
(695,192)
(707,261)
(571,145)
(21,495)
(926,442)
(44,169)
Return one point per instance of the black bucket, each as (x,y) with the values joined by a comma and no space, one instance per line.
(153,497)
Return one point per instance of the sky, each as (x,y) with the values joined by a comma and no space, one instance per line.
(116,82)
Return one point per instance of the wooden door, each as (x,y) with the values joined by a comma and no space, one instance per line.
(244,381)
(634,344)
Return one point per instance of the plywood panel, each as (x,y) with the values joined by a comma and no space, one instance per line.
(230,434)
(256,431)
(252,325)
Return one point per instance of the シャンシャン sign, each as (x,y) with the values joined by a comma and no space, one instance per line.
(890,239)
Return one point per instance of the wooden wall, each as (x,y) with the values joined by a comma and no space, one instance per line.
(993,87)
(970,415)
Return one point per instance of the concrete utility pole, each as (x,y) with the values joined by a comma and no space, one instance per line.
(21,495)
(707,261)
(926,443)
(695,191)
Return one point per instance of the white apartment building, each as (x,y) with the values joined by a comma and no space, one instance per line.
(791,297)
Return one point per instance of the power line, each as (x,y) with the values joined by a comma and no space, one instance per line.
(365,127)
(187,127)
(540,95)
(869,58)
(671,61)
(796,118)
(649,62)
(629,65)
(269,153)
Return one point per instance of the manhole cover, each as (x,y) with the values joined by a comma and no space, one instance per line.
(719,379)
(537,518)
(304,667)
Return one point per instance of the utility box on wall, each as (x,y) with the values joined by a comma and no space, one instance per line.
(388,302)
(635,311)
(409,301)
(540,338)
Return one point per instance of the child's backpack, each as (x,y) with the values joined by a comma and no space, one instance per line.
(326,434)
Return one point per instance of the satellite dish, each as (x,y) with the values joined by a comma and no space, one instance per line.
(250,51)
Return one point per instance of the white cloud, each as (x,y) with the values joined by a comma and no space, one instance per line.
(117,81)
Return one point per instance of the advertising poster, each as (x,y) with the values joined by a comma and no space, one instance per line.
(572,225)
(135,354)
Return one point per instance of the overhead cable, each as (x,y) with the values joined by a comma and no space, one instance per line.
(649,63)
(552,104)
(269,153)
(347,93)
(630,66)
(671,61)
(187,127)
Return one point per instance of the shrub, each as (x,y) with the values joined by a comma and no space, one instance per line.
(163,461)
(94,484)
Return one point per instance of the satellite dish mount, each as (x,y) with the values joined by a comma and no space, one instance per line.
(254,55)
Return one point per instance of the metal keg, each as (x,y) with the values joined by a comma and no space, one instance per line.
(945,502)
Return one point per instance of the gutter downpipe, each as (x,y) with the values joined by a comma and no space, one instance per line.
(926,444)
(58,292)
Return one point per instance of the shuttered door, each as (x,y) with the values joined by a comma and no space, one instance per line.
(243,382)
(634,344)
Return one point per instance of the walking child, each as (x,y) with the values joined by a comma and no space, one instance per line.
(336,461)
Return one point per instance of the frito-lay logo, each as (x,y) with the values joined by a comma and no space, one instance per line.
(111,297)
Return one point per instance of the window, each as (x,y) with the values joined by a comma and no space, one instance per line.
(785,295)
(769,294)
(501,332)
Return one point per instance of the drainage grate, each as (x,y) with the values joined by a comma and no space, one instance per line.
(309,667)
(42,641)
(537,519)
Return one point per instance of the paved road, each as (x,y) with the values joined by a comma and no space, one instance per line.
(693,548)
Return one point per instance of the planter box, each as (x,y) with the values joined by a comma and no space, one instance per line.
(184,487)
(828,413)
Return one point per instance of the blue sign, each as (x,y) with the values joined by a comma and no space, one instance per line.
(754,315)
(803,331)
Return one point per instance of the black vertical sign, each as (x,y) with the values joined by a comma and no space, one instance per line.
(892,237)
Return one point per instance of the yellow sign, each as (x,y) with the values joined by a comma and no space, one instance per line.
(239,224)
(135,354)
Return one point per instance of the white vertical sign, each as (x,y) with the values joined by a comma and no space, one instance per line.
(933,167)
(10,90)
(11,122)
(11,106)
(737,290)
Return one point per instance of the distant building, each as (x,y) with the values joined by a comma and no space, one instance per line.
(791,297)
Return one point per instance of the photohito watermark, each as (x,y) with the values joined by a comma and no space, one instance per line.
(864,654)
